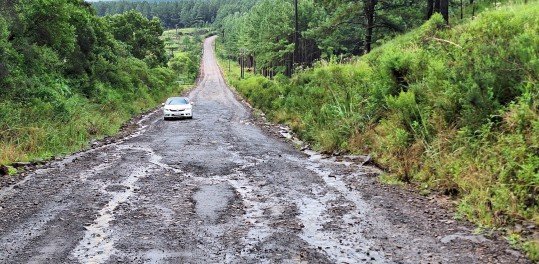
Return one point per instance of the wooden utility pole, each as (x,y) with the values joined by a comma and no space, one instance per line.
(296,58)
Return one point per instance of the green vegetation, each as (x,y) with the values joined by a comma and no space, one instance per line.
(455,109)
(185,51)
(264,37)
(74,76)
(175,13)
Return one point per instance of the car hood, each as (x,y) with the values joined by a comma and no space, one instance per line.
(177,107)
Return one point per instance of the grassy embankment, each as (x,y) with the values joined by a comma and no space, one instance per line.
(453,110)
(66,119)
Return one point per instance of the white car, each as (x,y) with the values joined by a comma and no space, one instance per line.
(178,107)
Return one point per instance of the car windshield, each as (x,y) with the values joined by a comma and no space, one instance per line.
(178,101)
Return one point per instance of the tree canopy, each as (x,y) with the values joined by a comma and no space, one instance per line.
(172,14)
(327,28)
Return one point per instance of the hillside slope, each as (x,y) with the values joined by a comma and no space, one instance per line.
(454,110)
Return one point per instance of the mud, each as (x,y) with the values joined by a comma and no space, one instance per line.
(221,189)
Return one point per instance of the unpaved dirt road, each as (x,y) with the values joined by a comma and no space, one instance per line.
(220,189)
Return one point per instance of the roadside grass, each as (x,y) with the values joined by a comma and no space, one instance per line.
(455,110)
(390,179)
(232,73)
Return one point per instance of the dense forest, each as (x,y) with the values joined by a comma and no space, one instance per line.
(176,14)
(75,76)
(451,107)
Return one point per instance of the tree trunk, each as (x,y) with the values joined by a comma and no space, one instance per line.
(370,10)
(461,10)
(430,9)
(444,9)
(254,64)
(436,8)
(242,65)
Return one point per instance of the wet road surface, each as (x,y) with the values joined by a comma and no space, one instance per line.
(220,189)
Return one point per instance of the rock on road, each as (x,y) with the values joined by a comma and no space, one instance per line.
(219,189)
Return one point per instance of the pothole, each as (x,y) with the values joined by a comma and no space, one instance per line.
(212,200)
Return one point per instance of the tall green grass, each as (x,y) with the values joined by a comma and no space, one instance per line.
(454,109)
